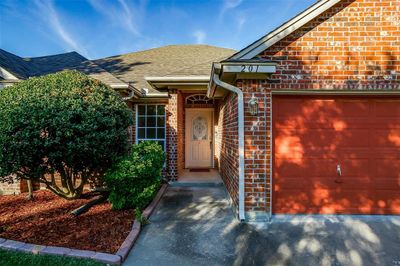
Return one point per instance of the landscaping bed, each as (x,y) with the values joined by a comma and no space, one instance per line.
(47,221)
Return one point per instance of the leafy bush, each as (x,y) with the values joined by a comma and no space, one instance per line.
(64,124)
(135,179)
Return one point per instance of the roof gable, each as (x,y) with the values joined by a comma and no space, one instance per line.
(284,30)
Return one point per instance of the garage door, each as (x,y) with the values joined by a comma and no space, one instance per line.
(336,155)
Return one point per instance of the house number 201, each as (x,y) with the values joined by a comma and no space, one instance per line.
(249,68)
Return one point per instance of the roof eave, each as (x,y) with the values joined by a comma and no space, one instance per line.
(159,82)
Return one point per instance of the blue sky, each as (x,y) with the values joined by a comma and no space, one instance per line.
(100,28)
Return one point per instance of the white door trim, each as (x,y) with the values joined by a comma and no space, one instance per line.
(212,135)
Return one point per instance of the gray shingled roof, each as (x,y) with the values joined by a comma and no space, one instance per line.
(24,68)
(15,65)
(172,60)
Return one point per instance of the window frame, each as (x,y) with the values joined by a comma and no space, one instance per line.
(137,139)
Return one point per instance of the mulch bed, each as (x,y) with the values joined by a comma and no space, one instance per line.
(47,221)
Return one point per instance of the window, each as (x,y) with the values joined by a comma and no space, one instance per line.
(199,99)
(150,123)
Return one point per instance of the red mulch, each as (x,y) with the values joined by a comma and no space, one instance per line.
(47,221)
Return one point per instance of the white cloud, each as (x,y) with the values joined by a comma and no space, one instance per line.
(240,21)
(124,15)
(232,3)
(229,4)
(48,14)
(200,36)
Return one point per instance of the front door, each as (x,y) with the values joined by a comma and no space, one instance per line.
(199,138)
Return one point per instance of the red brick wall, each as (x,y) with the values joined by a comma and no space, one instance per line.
(181,132)
(353,46)
(132,129)
(226,144)
(172,135)
(17,187)
(8,189)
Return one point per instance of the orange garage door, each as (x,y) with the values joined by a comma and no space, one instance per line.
(336,154)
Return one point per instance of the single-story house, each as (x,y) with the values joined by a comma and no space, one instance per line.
(304,120)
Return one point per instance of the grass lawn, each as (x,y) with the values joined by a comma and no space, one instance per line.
(12,258)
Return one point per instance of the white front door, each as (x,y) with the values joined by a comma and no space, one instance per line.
(199,138)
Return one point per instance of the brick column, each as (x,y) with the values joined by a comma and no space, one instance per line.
(181,133)
(257,150)
(172,135)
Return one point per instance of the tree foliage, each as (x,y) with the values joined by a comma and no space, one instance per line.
(135,179)
(64,124)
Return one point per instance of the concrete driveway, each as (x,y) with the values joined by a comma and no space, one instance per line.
(195,226)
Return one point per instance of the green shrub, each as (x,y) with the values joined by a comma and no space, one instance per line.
(135,179)
(64,123)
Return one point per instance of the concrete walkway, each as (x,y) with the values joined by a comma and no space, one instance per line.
(195,226)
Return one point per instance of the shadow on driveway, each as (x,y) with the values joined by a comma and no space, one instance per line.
(196,226)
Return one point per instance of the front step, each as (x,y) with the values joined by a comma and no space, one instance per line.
(195,184)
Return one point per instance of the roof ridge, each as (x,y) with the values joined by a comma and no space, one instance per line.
(55,55)
(165,46)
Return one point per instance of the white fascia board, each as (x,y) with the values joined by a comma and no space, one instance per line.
(286,29)
(178,79)
(7,75)
(119,86)
(156,95)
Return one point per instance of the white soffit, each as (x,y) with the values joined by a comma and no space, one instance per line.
(286,29)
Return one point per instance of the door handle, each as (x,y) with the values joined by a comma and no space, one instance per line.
(339,170)
(339,173)
(210,144)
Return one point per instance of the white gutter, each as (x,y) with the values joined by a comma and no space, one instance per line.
(119,86)
(229,87)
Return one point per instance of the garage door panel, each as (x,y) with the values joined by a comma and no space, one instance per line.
(387,168)
(312,136)
(386,138)
(355,168)
(387,123)
(352,138)
(385,183)
(332,182)
(387,108)
(354,108)
(316,167)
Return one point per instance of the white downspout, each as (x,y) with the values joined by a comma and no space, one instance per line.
(239,93)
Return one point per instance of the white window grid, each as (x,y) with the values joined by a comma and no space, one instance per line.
(156,127)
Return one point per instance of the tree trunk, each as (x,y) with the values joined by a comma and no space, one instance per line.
(30,189)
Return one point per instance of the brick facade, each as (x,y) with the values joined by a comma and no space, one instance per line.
(16,187)
(226,144)
(181,132)
(172,135)
(353,46)
(11,188)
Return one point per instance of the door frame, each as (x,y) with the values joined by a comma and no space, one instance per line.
(212,136)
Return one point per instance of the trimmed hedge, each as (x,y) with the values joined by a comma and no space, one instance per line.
(65,123)
(136,178)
